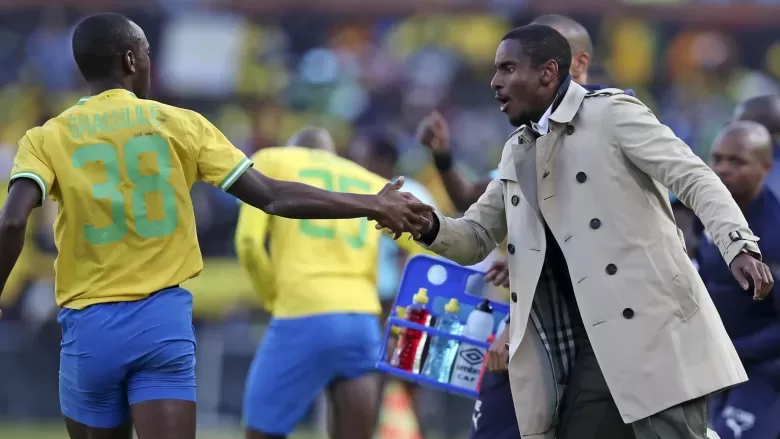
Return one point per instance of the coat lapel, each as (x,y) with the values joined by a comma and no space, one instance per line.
(546,145)
(518,164)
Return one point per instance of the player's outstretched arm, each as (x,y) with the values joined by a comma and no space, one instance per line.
(389,207)
(23,196)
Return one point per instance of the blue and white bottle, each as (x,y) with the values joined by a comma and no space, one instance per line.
(442,351)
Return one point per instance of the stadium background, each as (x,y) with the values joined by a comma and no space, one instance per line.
(260,69)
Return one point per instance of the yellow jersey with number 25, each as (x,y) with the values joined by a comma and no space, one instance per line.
(311,267)
(120,169)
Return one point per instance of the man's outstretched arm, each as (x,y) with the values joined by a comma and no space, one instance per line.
(23,196)
(297,200)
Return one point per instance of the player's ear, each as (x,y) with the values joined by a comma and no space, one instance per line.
(549,72)
(128,62)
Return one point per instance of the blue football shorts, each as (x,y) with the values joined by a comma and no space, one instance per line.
(494,412)
(115,355)
(298,358)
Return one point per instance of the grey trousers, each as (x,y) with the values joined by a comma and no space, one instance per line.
(589,412)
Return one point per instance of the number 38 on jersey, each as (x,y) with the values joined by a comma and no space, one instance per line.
(150,210)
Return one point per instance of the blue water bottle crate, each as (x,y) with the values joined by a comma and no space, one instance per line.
(444,280)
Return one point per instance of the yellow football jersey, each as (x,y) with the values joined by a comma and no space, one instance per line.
(308,267)
(120,169)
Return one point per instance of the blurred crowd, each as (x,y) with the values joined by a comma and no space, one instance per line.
(261,74)
(260,77)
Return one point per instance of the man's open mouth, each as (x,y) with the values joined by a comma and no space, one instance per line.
(504,103)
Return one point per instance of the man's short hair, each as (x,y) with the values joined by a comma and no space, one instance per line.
(541,43)
(99,39)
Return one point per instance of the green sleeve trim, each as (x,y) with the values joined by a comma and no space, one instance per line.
(34,177)
(237,172)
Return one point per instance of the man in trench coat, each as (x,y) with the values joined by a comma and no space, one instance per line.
(613,334)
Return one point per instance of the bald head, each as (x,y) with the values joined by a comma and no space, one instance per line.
(750,136)
(742,158)
(579,41)
(762,109)
(314,138)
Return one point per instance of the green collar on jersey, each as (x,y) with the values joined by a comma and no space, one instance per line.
(84,99)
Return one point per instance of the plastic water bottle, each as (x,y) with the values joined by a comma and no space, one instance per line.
(409,352)
(441,353)
(400,312)
(468,362)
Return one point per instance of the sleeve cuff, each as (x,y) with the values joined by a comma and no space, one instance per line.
(737,241)
(234,175)
(439,244)
(34,177)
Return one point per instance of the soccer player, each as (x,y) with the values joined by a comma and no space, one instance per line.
(318,280)
(120,168)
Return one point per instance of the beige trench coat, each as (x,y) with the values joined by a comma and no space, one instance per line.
(599,179)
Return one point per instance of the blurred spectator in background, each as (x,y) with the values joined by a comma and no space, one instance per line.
(49,51)
(766,111)
(742,158)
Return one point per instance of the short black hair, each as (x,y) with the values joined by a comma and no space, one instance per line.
(541,43)
(99,39)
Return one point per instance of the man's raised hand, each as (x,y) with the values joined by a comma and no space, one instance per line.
(399,212)
(434,133)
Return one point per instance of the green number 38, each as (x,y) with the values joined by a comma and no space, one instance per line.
(111,189)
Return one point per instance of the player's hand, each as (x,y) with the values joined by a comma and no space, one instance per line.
(747,269)
(498,273)
(401,212)
(498,354)
(434,133)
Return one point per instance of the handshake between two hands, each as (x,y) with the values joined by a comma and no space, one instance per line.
(401,212)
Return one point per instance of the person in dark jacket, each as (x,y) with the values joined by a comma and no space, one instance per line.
(742,158)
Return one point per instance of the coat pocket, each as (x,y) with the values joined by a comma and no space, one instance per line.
(687,305)
(673,268)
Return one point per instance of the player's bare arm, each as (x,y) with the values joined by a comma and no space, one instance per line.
(23,196)
(389,208)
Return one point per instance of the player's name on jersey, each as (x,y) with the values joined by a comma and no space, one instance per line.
(108,121)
